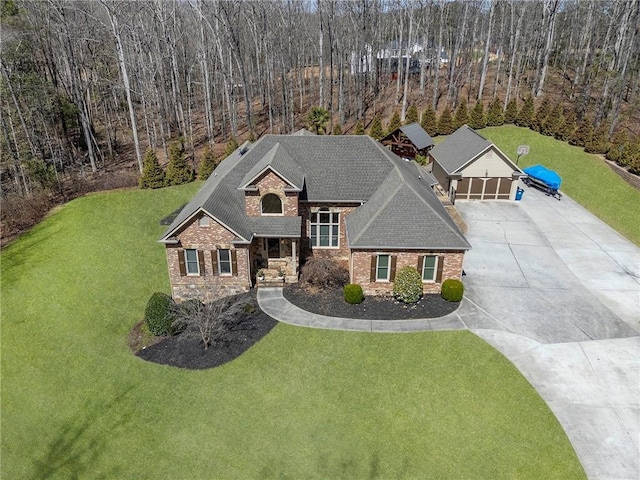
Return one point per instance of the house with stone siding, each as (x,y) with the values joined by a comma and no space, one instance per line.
(273,204)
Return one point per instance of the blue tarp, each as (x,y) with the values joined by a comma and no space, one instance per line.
(544,175)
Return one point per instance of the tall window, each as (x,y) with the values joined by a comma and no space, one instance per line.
(325,229)
(191,259)
(429,266)
(271,204)
(224,261)
(382,268)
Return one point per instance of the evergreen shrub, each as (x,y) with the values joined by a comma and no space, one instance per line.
(353,293)
(452,290)
(407,286)
(157,314)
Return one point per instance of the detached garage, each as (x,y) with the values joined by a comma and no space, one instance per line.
(470,167)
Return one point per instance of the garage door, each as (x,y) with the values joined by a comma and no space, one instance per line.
(498,188)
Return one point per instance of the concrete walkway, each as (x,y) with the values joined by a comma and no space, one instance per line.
(558,293)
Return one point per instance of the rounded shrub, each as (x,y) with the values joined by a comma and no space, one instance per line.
(353,293)
(407,286)
(452,290)
(157,314)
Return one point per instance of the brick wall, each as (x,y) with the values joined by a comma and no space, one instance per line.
(206,239)
(269,182)
(361,269)
(342,252)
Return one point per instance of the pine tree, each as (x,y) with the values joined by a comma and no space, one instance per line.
(599,141)
(178,170)
(412,115)
(153,175)
(462,115)
(583,133)
(395,122)
(359,128)
(477,119)
(376,128)
(631,157)
(567,129)
(511,113)
(207,164)
(542,112)
(445,123)
(495,116)
(429,123)
(232,146)
(525,115)
(619,143)
(553,122)
(337,129)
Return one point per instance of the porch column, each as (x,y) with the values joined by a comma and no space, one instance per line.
(294,261)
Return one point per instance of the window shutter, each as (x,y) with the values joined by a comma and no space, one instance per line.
(392,273)
(440,267)
(214,262)
(374,260)
(181,264)
(234,263)
(201,262)
(420,265)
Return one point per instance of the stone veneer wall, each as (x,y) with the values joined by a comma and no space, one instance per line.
(361,269)
(206,239)
(269,182)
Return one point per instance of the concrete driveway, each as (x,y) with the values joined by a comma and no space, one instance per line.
(558,293)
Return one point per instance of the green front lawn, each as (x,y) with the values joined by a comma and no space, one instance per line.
(585,177)
(301,404)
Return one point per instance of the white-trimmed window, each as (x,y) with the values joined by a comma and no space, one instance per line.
(224,261)
(191,261)
(383,268)
(271,204)
(429,268)
(325,228)
(203,221)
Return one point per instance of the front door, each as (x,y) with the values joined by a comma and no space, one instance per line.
(273,247)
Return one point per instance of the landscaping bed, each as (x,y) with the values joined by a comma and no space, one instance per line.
(329,301)
(245,324)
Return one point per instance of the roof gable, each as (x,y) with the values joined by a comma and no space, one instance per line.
(280,162)
(459,148)
(399,207)
(417,135)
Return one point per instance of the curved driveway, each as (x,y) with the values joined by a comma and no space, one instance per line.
(557,291)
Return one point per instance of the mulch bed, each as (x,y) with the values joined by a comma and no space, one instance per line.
(245,324)
(330,302)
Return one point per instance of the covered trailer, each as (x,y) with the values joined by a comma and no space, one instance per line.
(543,179)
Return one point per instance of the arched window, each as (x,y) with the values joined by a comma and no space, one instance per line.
(271,204)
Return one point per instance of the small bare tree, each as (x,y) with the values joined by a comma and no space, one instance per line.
(208,318)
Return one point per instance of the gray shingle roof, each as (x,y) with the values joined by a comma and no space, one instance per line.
(417,135)
(459,148)
(276,226)
(349,169)
(404,213)
(283,164)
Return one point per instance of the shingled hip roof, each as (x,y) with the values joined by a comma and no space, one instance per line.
(404,214)
(398,207)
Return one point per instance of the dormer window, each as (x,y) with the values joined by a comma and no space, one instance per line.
(271,204)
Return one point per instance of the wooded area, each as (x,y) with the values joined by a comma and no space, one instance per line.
(88,86)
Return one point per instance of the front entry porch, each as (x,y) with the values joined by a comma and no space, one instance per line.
(274,261)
